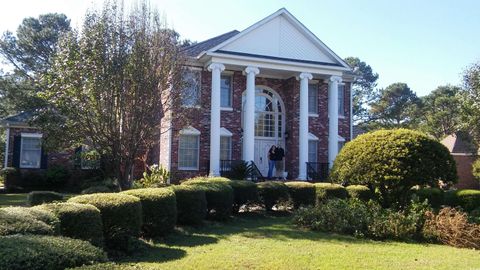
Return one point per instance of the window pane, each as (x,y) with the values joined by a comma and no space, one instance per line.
(225,148)
(188,152)
(341,100)
(312,151)
(313,98)
(191,90)
(31,152)
(225,91)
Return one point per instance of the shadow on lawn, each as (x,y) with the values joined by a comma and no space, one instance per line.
(154,254)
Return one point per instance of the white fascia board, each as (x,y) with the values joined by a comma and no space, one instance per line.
(274,64)
(31,135)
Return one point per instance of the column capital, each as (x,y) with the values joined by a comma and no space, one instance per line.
(305,75)
(335,79)
(253,70)
(216,66)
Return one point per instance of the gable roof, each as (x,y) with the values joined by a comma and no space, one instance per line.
(20,119)
(279,36)
(459,143)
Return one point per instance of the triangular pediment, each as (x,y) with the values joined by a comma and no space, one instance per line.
(280,36)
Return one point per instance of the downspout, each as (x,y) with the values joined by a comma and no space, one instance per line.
(7,143)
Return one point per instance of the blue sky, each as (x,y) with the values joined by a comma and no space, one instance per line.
(422,43)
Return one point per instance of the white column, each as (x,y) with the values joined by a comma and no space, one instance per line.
(333,119)
(303,130)
(216,70)
(249,116)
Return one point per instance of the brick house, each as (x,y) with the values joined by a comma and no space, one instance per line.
(274,83)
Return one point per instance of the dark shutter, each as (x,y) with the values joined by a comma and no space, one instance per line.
(77,158)
(17,145)
(43,159)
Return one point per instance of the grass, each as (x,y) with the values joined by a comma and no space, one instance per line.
(254,241)
(13,199)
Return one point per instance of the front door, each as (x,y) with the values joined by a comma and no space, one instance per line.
(261,154)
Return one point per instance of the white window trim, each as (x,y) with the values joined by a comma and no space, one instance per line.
(189,131)
(228,109)
(29,135)
(342,116)
(312,114)
(312,137)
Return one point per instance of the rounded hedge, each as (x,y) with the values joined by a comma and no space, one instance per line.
(271,193)
(476,169)
(219,197)
(326,191)
(392,162)
(96,189)
(39,197)
(433,195)
(244,191)
(39,252)
(80,221)
(301,193)
(468,199)
(23,220)
(159,207)
(191,204)
(359,192)
(121,216)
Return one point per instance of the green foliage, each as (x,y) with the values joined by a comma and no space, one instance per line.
(470,97)
(301,193)
(22,220)
(392,162)
(101,185)
(359,192)
(271,193)
(433,195)
(39,197)
(159,207)
(57,176)
(191,204)
(96,189)
(244,192)
(80,221)
(155,177)
(219,197)
(121,216)
(37,252)
(468,199)
(476,169)
(326,191)
(240,171)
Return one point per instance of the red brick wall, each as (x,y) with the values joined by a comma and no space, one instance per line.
(288,90)
(464,171)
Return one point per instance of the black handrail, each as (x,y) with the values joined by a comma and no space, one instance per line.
(239,169)
(256,175)
(317,171)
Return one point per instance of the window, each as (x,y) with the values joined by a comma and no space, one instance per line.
(313,98)
(312,150)
(225,148)
(188,149)
(341,100)
(226,91)
(341,143)
(191,90)
(31,151)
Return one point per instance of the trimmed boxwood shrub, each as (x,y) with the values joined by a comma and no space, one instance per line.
(96,189)
(271,193)
(159,209)
(325,191)
(433,195)
(22,220)
(301,193)
(359,192)
(121,216)
(191,204)
(80,221)
(244,191)
(219,196)
(39,252)
(39,197)
(468,199)
(392,162)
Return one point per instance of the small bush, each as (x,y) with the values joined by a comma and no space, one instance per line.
(271,193)
(359,192)
(451,227)
(301,193)
(96,189)
(56,177)
(36,252)
(476,169)
(191,204)
(219,196)
(159,207)
(39,197)
(22,220)
(80,221)
(433,195)
(97,181)
(468,199)
(121,216)
(156,176)
(244,192)
(325,191)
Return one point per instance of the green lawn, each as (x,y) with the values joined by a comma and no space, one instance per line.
(258,242)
